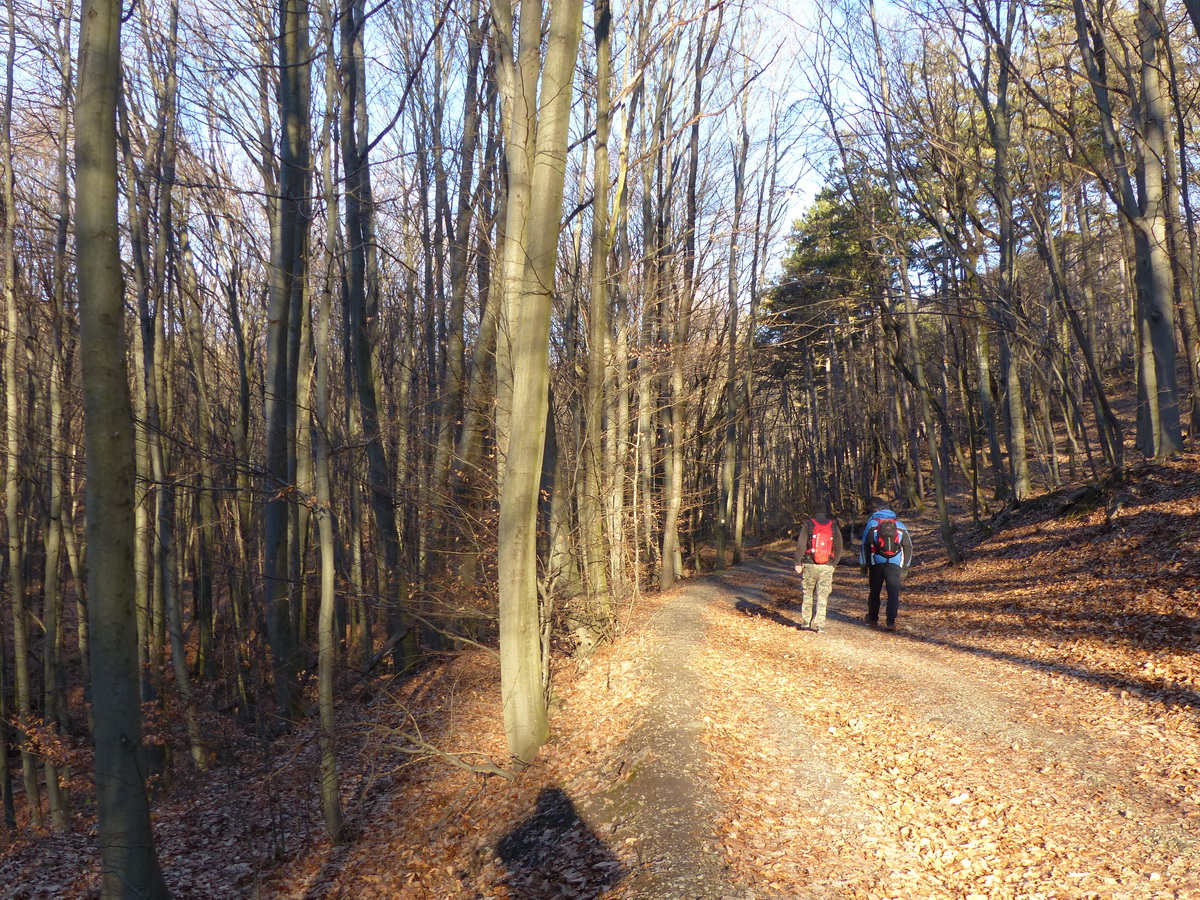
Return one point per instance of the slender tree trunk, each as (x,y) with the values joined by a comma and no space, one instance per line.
(1187,275)
(12,446)
(469,464)
(300,522)
(331,805)
(205,507)
(671,561)
(1107,426)
(362,301)
(239,588)
(12,440)
(520,630)
(591,501)
(1001,125)
(54,704)
(289,234)
(155,374)
(618,414)
(454,380)
(130,866)
(733,391)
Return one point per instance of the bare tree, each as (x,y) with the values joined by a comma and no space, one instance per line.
(130,864)
(14,426)
(537,112)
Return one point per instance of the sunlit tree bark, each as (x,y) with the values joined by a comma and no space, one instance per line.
(537,114)
(1159,432)
(591,500)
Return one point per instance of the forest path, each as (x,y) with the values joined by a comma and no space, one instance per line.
(860,763)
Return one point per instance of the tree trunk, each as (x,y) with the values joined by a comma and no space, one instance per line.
(1001,122)
(12,444)
(536,241)
(362,305)
(12,447)
(319,430)
(676,412)
(1154,262)
(591,500)
(130,866)
(289,239)
(1159,432)
(205,506)
(618,410)
(733,387)
(55,710)
(1187,275)
(454,381)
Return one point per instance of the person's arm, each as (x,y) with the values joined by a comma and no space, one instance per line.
(906,547)
(838,547)
(863,544)
(802,543)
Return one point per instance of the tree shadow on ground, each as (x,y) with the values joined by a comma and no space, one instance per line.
(1147,689)
(1043,618)
(750,608)
(554,855)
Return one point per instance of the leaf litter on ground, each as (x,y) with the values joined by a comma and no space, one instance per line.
(1032,731)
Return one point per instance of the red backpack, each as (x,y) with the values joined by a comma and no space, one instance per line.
(820,545)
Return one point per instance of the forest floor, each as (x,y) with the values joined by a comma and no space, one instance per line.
(1031,730)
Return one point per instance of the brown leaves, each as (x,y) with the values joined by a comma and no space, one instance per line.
(997,749)
(1034,733)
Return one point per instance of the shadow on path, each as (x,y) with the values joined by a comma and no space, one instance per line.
(1147,689)
(554,855)
(750,608)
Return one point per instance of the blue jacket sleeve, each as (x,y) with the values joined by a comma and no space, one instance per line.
(863,555)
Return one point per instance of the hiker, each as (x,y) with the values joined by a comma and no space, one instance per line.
(817,553)
(885,555)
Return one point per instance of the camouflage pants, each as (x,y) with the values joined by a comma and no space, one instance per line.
(816,582)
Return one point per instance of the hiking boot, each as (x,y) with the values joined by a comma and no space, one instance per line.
(819,629)
(891,626)
(874,623)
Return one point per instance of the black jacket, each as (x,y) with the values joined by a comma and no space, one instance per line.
(806,528)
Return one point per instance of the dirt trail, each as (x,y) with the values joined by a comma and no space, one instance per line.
(862,763)
(665,809)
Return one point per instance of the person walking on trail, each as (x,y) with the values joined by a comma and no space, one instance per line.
(885,555)
(817,553)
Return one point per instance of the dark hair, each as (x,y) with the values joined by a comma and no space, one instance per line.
(878,503)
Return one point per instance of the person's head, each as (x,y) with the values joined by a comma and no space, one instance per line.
(878,503)
(821,506)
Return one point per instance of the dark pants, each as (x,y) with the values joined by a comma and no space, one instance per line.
(879,575)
